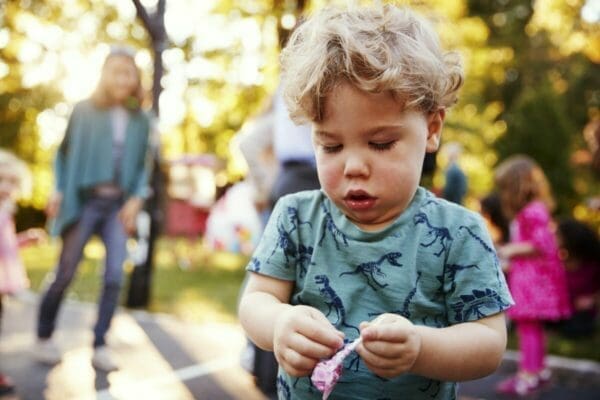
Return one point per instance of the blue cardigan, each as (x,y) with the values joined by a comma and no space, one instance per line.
(84,159)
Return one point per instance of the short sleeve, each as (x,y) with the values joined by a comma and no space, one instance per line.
(275,254)
(474,285)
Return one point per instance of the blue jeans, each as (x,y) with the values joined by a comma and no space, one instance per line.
(99,216)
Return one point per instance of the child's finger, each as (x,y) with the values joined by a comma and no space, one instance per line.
(384,349)
(319,329)
(379,359)
(295,363)
(309,348)
(396,331)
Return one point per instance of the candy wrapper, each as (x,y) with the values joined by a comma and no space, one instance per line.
(328,372)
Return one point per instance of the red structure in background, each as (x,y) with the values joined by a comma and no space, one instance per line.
(191,193)
(184,219)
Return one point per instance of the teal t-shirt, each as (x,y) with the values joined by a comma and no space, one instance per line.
(434,265)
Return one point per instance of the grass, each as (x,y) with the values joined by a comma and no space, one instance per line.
(187,281)
(199,286)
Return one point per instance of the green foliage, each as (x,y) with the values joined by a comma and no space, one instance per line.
(528,81)
(539,127)
(548,95)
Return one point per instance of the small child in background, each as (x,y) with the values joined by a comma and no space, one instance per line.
(491,210)
(14,180)
(372,254)
(536,276)
(580,253)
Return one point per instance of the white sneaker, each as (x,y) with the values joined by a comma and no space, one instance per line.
(47,352)
(103,360)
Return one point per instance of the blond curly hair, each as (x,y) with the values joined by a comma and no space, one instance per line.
(376,49)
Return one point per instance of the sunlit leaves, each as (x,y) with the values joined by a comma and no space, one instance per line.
(567,30)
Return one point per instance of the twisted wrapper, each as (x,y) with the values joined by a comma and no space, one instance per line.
(328,372)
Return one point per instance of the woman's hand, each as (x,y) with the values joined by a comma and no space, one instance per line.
(302,336)
(129,212)
(390,345)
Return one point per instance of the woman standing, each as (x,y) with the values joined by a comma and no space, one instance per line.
(101,181)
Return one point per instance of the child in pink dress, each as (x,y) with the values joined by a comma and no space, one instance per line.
(536,276)
(14,176)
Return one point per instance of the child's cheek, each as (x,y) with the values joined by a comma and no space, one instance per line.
(329,177)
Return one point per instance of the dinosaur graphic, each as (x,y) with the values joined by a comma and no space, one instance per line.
(285,243)
(478,238)
(304,258)
(437,320)
(294,219)
(431,385)
(471,304)
(450,272)
(439,235)
(372,269)
(333,302)
(329,226)
(486,247)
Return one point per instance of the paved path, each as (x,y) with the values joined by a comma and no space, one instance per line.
(164,358)
(161,357)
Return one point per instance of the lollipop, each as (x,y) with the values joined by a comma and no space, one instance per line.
(328,372)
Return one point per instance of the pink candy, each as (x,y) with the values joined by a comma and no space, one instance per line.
(328,372)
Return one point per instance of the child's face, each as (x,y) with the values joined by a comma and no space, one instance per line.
(9,185)
(370,153)
(121,78)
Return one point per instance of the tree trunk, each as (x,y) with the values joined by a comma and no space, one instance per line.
(141,278)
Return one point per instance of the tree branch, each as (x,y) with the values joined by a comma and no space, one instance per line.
(143,14)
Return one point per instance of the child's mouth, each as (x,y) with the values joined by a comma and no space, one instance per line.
(359,200)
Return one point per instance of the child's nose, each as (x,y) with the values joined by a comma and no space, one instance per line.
(356,166)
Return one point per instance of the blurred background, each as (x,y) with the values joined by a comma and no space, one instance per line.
(532,86)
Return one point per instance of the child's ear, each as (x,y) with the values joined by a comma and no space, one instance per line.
(435,122)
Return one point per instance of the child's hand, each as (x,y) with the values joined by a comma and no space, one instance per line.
(302,337)
(390,345)
(32,236)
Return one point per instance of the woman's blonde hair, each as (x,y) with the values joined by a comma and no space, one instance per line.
(13,165)
(376,49)
(520,180)
(101,96)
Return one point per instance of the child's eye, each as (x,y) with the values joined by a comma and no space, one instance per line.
(332,149)
(382,146)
